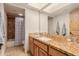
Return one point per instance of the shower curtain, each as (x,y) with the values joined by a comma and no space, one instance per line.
(18,30)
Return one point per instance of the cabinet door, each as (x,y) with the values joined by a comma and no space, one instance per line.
(31,45)
(54,52)
(41,45)
(35,50)
(42,52)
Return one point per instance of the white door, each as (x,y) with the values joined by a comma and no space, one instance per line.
(3,28)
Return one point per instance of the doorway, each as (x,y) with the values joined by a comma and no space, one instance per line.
(15,27)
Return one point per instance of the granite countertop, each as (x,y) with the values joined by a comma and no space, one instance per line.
(68,47)
(43,39)
(60,43)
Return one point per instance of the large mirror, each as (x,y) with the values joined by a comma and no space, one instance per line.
(74,23)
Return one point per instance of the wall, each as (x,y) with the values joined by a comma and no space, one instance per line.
(43,23)
(23,31)
(51,26)
(32,23)
(4,27)
(62,18)
(0,26)
(1,22)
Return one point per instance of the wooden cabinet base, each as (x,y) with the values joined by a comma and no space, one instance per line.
(38,48)
(42,53)
(35,50)
(54,52)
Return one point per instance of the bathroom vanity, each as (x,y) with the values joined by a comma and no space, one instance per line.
(51,46)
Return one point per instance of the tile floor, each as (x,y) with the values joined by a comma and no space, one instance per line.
(16,51)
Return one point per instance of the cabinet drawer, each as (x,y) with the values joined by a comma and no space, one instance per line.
(55,52)
(41,45)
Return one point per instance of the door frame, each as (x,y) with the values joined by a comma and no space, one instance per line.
(24,24)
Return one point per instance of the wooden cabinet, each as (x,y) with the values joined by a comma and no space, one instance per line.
(31,45)
(38,48)
(42,53)
(40,45)
(54,52)
(35,50)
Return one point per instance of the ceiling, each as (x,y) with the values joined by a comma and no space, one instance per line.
(13,10)
(37,5)
(50,8)
(54,7)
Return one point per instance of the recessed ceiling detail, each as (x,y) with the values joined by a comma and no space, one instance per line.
(54,7)
(49,8)
(37,5)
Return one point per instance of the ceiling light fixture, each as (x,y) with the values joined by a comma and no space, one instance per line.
(20,14)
